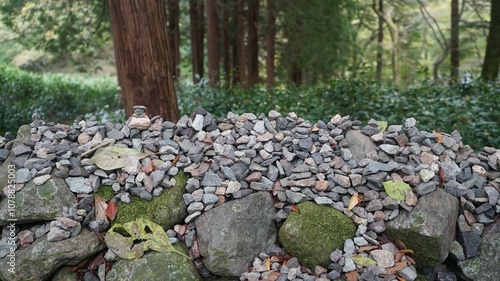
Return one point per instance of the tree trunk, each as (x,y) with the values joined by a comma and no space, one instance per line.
(454,42)
(226,50)
(270,42)
(492,57)
(239,77)
(196,18)
(212,42)
(380,41)
(253,43)
(174,37)
(142,60)
(394,33)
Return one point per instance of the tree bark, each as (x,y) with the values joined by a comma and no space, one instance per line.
(270,42)
(212,42)
(380,41)
(239,77)
(492,57)
(174,37)
(226,46)
(454,42)
(394,33)
(196,18)
(253,43)
(142,60)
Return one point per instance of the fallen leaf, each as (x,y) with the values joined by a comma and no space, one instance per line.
(268,264)
(100,208)
(367,248)
(364,261)
(132,239)
(176,159)
(111,210)
(114,157)
(356,198)
(399,278)
(382,126)
(294,209)
(439,138)
(396,189)
(400,244)
(407,251)
(400,265)
(441,176)
(98,260)
(352,276)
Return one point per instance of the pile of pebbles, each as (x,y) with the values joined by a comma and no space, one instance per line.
(293,158)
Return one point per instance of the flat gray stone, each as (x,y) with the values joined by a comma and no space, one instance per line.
(220,241)
(79,184)
(431,223)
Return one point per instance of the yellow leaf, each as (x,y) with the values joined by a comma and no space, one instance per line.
(396,189)
(268,264)
(407,251)
(114,157)
(356,198)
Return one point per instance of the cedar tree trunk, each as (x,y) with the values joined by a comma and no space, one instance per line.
(142,60)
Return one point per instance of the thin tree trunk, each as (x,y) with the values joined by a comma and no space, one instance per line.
(196,17)
(270,42)
(226,50)
(380,41)
(454,42)
(212,42)
(174,35)
(492,57)
(394,33)
(253,43)
(239,77)
(142,60)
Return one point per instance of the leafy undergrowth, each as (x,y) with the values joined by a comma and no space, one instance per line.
(473,108)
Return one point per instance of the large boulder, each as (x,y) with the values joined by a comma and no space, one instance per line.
(42,258)
(39,202)
(485,265)
(314,232)
(169,266)
(429,228)
(233,234)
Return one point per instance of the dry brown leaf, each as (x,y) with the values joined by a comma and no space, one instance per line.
(355,200)
(439,138)
(400,244)
(400,265)
(111,210)
(100,208)
(399,278)
(352,276)
(441,176)
(295,209)
(268,264)
(367,248)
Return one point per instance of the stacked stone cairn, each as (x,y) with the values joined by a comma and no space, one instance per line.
(285,168)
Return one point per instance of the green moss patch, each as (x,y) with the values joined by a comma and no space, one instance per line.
(165,210)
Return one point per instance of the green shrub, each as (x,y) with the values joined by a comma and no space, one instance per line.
(58,98)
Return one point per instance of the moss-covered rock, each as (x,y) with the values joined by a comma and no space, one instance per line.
(153,266)
(314,232)
(428,229)
(165,210)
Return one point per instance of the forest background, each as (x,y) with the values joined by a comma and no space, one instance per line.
(434,60)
